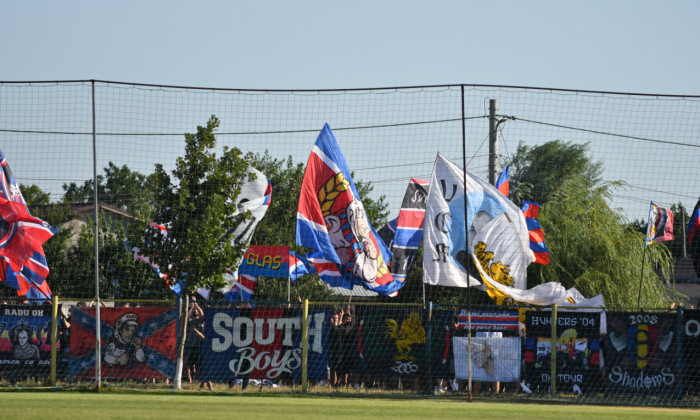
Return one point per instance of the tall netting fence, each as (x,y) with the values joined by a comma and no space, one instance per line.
(593,160)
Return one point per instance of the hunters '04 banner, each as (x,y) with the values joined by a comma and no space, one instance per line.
(691,349)
(331,220)
(262,343)
(25,340)
(578,356)
(137,343)
(641,354)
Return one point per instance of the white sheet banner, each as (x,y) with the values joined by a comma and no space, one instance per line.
(494,359)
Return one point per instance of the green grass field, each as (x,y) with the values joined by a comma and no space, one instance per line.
(112,405)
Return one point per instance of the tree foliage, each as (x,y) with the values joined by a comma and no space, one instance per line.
(34,196)
(591,246)
(537,171)
(120,187)
(198,206)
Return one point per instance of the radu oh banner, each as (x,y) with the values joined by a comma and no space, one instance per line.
(262,343)
(25,338)
(641,355)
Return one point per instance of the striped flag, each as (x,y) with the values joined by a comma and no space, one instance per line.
(298,266)
(503,182)
(693,235)
(660,226)
(405,233)
(331,221)
(21,238)
(537,244)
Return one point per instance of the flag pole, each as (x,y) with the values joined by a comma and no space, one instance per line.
(98,344)
(469,295)
(641,278)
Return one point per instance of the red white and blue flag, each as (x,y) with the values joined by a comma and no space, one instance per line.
(404,234)
(21,238)
(298,266)
(503,182)
(332,222)
(693,235)
(660,227)
(537,244)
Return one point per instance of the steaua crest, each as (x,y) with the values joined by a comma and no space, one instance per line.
(350,232)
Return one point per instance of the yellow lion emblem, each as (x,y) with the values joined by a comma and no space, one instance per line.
(411,332)
(497,271)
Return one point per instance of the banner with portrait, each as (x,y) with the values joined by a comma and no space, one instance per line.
(494,358)
(136,343)
(25,340)
(641,353)
(262,343)
(577,350)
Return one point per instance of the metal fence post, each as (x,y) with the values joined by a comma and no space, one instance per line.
(305,347)
(553,353)
(54,337)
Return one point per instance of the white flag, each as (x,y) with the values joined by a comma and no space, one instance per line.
(540,295)
(445,240)
(496,244)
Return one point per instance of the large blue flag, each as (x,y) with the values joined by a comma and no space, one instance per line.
(331,221)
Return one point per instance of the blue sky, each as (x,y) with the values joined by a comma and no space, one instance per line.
(626,46)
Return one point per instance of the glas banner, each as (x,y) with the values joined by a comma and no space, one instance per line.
(578,355)
(641,353)
(25,341)
(262,344)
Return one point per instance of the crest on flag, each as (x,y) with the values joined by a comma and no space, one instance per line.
(331,221)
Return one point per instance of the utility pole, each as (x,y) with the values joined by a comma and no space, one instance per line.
(493,140)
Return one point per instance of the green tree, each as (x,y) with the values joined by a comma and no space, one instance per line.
(198,207)
(591,247)
(72,265)
(120,187)
(537,171)
(34,196)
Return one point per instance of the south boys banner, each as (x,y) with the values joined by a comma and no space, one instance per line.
(262,343)
(137,343)
(577,350)
(641,355)
(25,339)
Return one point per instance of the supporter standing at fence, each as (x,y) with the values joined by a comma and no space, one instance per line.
(334,347)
